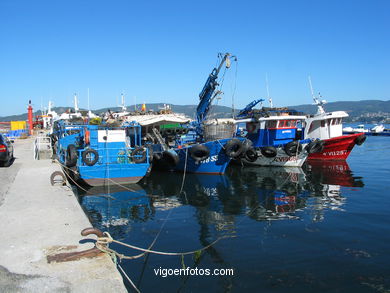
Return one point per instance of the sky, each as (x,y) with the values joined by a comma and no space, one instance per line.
(163,51)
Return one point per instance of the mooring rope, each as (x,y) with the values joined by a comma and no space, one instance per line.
(109,179)
(184,174)
(128,279)
(102,243)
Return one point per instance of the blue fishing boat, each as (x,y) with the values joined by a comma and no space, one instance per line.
(102,155)
(204,147)
(275,137)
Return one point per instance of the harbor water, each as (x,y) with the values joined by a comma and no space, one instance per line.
(321,228)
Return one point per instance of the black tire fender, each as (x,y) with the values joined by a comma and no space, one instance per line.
(316,146)
(87,159)
(234,148)
(199,152)
(293,148)
(71,156)
(170,157)
(269,151)
(169,131)
(251,155)
(360,139)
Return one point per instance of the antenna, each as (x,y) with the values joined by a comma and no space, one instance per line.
(268,96)
(311,90)
(320,103)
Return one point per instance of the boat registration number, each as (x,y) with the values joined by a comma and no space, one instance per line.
(285,159)
(210,159)
(335,153)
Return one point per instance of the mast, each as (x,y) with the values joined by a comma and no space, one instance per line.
(320,103)
(88,99)
(123,103)
(76,104)
(268,96)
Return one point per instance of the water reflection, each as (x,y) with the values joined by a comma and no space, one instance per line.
(113,208)
(258,193)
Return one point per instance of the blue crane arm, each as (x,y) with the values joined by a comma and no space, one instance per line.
(206,95)
(248,108)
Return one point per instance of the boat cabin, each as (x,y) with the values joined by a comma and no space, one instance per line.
(273,130)
(325,125)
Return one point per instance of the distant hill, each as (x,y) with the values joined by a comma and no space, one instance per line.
(368,111)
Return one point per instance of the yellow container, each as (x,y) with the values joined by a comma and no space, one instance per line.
(18,125)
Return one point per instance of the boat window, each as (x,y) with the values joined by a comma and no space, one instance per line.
(271,124)
(291,123)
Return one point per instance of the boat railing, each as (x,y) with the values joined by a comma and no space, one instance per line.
(42,148)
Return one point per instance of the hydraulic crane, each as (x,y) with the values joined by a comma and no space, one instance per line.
(208,92)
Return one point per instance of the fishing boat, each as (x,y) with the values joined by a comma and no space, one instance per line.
(378,129)
(199,146)
(100,154)
(327,126)
(275,139)
(359,129)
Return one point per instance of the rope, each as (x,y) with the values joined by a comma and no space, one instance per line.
(102,243)
(128,279)
(109,179)
(184,174)
(223,147)
(234,90)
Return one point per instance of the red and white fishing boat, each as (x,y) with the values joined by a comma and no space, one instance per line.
(328,127)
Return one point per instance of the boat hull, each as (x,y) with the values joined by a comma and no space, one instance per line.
(280,160)
(336,148)
(216,163)
(112,174)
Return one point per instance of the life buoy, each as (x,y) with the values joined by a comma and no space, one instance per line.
(139,155)
(199,152)
(233,148)
(293,148)
(71,156)
(87,137)
(170,157)
(269,151)
(250,127)
(360,139)
(316,146)
(251,155)
(90,157)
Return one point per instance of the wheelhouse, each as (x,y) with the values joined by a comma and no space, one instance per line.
(325,126)
(274,130)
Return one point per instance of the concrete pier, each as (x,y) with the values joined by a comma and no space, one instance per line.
(37,219)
